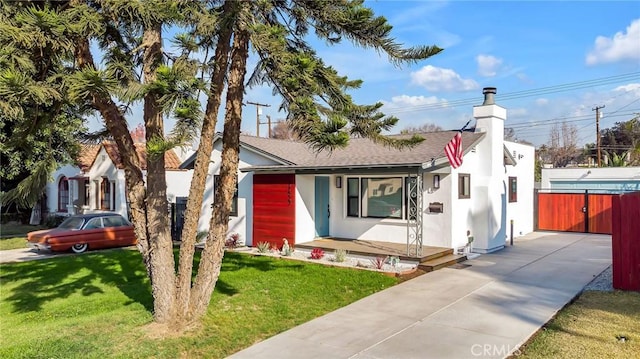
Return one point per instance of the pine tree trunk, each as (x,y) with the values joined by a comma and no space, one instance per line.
(211,260)
(117,126)
(200,171)
(161,266)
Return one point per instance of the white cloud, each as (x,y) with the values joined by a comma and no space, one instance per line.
(633,88)
(488,65)
(542,101)
(406,100)
(439,79)
(622,46)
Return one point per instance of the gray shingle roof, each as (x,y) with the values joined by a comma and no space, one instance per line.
(359,152)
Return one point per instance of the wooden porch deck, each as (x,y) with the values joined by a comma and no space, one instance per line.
(375,248)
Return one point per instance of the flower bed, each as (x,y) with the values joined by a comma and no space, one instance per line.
(387,265)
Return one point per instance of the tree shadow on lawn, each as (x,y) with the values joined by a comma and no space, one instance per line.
(60,277)
(45,280)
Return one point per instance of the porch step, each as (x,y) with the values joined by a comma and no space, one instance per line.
(441,262)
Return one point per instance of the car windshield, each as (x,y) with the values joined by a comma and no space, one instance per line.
(71,223)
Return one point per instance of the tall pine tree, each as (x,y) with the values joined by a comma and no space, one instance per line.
(216,40)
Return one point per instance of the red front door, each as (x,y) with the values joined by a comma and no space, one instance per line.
(274,209)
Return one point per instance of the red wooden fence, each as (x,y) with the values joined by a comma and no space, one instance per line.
(599,213)
(626,241)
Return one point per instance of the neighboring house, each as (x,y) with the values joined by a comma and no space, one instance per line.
(97,182)
(368,191)
(594,179)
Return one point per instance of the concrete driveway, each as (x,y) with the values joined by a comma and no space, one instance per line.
(484,310)
(26,254)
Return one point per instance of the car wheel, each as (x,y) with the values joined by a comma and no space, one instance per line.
(79,247)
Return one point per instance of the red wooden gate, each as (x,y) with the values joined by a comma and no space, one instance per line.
(274,209)
(561,212)
(626,241)
(574,212)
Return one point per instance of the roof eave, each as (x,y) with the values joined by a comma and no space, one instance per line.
(336,169)
(189,161)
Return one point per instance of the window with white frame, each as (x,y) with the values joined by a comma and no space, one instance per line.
(464,185)
(63,194)
(87,192)
(513,189)
(105,195)
(375,197)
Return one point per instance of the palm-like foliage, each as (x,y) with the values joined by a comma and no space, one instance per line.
(315,97)
(51,69)
(38,124)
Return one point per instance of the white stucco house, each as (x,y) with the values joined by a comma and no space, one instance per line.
(96,183)
(371,192)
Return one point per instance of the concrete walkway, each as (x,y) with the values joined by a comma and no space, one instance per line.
(25,254)
(486,310)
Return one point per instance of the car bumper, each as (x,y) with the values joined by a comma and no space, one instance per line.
(39,246)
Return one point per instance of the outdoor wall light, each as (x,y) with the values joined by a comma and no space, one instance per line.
(338,181)
(436,181)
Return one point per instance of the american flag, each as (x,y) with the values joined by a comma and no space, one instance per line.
(453,150)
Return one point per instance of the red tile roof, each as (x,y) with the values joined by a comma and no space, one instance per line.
(88,154)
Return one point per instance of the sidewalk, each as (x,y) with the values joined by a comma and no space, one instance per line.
(485,310)
(24,254)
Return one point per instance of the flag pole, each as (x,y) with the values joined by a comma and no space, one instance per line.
(465,126)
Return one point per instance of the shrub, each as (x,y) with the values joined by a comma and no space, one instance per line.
(53,221)
(233,241)
(340,255)
(263,247)
(317,253)
(378,262)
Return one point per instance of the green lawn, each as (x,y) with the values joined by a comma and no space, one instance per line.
(591,327)
(97,305)
(17,229)
(14,236)
(13,243)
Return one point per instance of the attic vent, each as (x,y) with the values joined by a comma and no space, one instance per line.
(514,154)
(102,158)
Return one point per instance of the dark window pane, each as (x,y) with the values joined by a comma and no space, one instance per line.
(382,197)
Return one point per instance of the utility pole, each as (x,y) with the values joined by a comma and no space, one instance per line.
(269,122)
(597,110)
(258,114)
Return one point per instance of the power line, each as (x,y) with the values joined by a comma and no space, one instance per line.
(522,94)
(579,118)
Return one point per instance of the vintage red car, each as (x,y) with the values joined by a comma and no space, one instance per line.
(81,232)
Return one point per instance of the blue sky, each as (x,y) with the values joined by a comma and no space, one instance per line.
(550,61)
(512,45)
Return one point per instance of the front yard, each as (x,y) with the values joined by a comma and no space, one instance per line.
(596,325)
(99,304)
(14,236)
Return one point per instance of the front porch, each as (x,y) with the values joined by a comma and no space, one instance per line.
(432,258)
